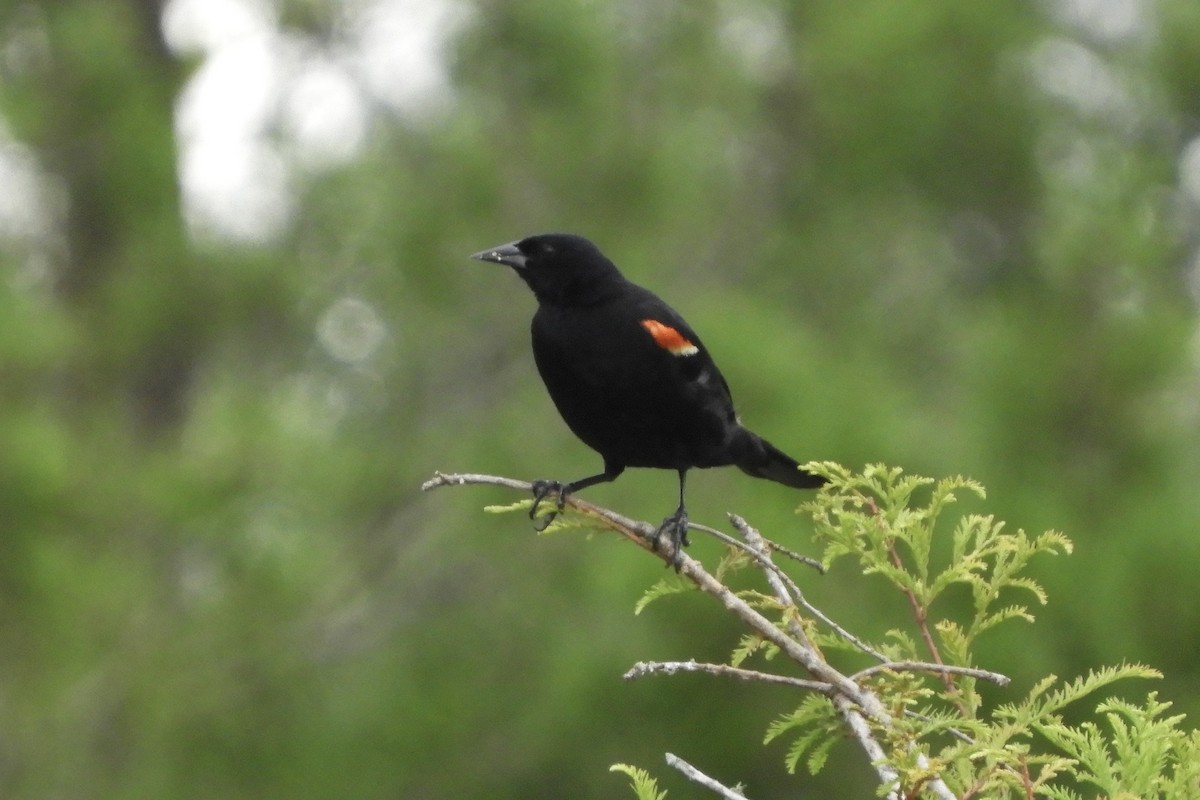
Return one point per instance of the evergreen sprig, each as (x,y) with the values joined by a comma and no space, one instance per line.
(915,712)
(644,786)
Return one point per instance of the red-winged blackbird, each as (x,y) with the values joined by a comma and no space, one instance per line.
(629,376)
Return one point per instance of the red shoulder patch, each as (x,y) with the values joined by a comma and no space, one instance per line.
(669,339)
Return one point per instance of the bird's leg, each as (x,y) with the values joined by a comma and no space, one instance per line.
(541,488)
(676,527)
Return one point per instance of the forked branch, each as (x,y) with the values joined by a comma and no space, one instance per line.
(858,706)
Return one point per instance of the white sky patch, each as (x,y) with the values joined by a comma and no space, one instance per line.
(754,34)
(234,183)
(1189,170)
(324,114)
(1189,184)
(1070,72)
(201,26)
(398,46)
(32,208)
(235,189)
(234,92)
(1110,21)
(264,104)
(1193,284)
(22,212)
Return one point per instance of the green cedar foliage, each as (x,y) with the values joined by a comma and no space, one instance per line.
(644,786)
(903,529)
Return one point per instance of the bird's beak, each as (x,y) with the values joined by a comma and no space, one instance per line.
(508,254)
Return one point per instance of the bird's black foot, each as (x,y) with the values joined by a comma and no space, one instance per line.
(675,527)
(540,490)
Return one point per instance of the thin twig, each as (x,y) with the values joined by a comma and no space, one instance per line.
(463,479)
(954,732)
(640,533)
(921,613)
(840,631)
(774,546)
(918,610)
(797,595)
(807,561)
(644,668)
(764,560)
(850,706)
(854,702)
(923,666)
(781,583)
(696,776)
(725,538)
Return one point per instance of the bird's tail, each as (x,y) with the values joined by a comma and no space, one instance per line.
(758,457)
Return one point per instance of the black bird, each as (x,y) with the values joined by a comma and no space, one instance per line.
(630,377)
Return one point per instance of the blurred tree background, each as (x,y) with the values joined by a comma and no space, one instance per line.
(238,327)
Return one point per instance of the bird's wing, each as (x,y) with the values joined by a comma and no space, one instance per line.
(634,347)
(668,332)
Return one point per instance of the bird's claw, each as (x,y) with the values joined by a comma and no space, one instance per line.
(541,488)
(676,527)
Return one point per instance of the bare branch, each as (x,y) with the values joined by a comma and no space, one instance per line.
(640,533)
(923,666)
(463,479)
(798,596)
(775,547)
(696,776)
(725,538)
(644,668)
(855,703)
(920,613)
(850,705)
(808,561)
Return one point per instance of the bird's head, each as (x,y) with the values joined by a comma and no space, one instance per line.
(560,268)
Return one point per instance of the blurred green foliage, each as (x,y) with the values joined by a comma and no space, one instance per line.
(951,236)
